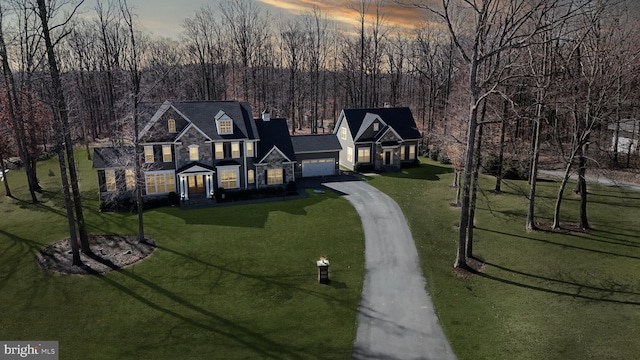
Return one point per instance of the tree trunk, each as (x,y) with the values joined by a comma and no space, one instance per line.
(60,107)
(503,127)
(474,193)
(563,185)
(582,185)
(7,190)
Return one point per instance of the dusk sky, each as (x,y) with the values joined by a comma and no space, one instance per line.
(164,17)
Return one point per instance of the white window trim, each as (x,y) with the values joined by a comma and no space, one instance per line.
(110,173)
(236,168)
(368,150)
(153,157)
(281,176)
(237,145)
(167,174)
(251,176)
(215,150)
(249,149)
(197,147)
(350,154)
(164,147)
(126,178)
(343,133)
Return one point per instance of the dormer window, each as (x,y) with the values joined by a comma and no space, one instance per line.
(224,124)
(172,126)
(376,126)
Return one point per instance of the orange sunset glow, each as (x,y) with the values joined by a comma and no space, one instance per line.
(347,12)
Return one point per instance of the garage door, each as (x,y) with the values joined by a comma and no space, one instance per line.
(318,167)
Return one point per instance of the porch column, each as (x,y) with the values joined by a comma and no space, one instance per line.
(208,186)
(184,189)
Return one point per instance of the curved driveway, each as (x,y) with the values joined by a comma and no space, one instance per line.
(396,318)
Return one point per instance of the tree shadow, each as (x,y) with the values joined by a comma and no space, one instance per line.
(423,171)
(247,214)
(210,321)
(565,245)
(582,291)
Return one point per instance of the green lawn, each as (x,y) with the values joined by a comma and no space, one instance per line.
(542,295)
(236,282)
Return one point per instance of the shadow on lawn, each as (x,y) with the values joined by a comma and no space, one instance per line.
(239,216)
(216,324)
(581,291)
(559,244)
(14,251)
(207,320)
(429,172)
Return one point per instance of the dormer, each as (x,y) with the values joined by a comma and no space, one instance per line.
(224,124)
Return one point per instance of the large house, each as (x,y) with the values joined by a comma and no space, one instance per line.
(381,139)
(195,148)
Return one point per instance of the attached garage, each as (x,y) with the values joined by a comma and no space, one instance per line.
(318,167)
(316,155)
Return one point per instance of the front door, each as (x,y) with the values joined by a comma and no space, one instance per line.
(387,157)
(196,184)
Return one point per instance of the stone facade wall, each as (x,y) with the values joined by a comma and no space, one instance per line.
(274,161)
(193,137)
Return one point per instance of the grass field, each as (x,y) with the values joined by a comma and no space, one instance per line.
(237,282)
(541,295)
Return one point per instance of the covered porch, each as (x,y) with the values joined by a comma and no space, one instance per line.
(196,181)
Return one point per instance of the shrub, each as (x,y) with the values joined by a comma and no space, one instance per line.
(364,168)
(174,198)
(443,158)
(292,188)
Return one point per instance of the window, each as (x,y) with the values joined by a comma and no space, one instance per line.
(228,178)
(160,182)
(130,177)
(402,152)
(193,153)
(364,154)
(343,133)
(172,125)
(110,179)
(274,176)
(251,176)
(350,154)
(219,151)
(249,151)
(235,150)
(376,126)
(225,127)
(148,154)
(412,152)
(166,153)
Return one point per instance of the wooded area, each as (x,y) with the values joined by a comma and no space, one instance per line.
(494,85)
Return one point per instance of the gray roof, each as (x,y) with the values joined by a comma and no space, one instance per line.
(274,133)
(113,157)
(202,113)
(315,143)
(400,119)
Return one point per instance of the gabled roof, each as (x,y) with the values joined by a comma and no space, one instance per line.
(201,115)
(113,157)
(400,119)
(195,167)
(274,133)
(315,143)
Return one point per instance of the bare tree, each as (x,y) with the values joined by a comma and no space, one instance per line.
(497,28)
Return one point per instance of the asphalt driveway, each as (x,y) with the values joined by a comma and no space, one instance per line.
(396,318)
